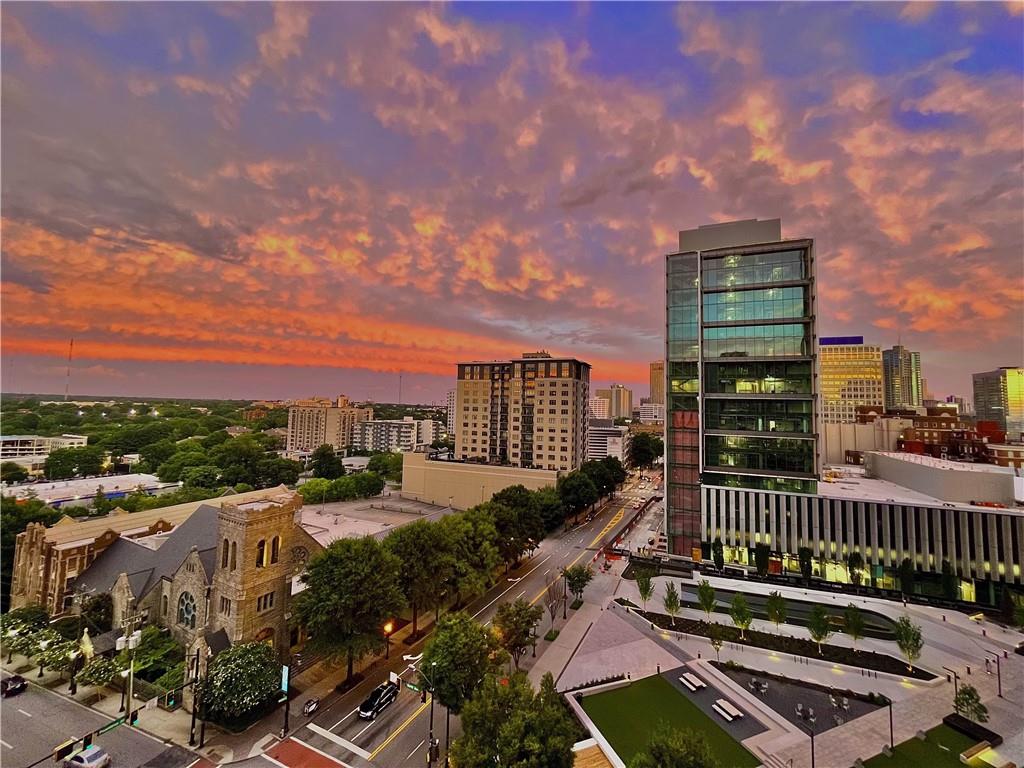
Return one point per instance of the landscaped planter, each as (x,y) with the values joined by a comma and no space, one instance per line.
(974,730)
(878,662)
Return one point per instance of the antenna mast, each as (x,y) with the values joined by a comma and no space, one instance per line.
(67,378)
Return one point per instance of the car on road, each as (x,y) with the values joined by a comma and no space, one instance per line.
(92,757)
(13,685)
(378,700)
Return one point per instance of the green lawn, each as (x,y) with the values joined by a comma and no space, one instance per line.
(627,716)
(927,754)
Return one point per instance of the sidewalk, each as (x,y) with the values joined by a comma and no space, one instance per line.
(558,653)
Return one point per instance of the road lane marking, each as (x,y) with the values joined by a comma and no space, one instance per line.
(520,594)
(346,717)
(26,714)
(268,758)
(365,728)
(353,748)
(6,744)
(297,740)
(400,728)
(538,565)
(415,749)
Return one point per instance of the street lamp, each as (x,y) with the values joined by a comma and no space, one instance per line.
(892,739)
(388,629)
(956,680)
(11,634)
(75,656)
(124,687)
(431,746)
(42,648)
(809,726)
(999,671)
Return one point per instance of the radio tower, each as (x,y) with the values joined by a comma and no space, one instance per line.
(67,379)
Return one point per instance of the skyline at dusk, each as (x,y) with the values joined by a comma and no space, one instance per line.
(273,201)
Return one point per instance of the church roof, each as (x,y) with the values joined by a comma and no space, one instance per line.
(146,566)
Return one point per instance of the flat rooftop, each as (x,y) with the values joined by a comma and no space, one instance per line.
(83,487)
(955,466)
(375,517)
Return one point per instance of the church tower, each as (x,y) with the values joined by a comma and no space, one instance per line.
(251,582)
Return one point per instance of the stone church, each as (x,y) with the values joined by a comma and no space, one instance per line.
(222,576)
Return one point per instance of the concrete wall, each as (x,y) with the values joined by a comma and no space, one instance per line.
(880,435)
(467,485)
(942,483)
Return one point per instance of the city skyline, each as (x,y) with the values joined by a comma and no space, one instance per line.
(246,201)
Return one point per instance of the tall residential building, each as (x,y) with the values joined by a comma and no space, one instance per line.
(449,402)
(394,434)
(529,412)
(599,408)
(605,439)
(851,375)
(620,401)
(999,397)
(901,375)
(319,421)
(740,353)
(657,382)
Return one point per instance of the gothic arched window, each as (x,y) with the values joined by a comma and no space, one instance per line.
(234,555)
(261,553)
(224,555)
(275,549)
(187,610)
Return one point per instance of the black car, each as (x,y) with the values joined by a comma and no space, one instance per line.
(379,698)
(13,685)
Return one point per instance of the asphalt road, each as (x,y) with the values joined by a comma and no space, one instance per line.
(34,722)
(397,738)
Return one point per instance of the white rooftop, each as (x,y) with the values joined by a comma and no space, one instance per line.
(83,487)
(957,466)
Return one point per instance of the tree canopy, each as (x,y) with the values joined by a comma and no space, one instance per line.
(671,748)
(457,657)
(240,679)
(426,562)
(325,463)
(577,492)
(515,622)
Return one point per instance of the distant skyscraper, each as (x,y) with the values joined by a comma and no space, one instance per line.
(901,374)
(999,397)
(599,407)
(658,382)
(620,401)
(450,402)
(741,346)
(851,375)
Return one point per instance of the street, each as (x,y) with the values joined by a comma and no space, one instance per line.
(37,720)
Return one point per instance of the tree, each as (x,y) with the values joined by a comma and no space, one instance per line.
(352,588)
(853,623)
(577,492)
(671,600)
(775,607)
(950,585)
(855,565)
(457,657)
(906,572)
(967,702)
(762,554)
(387,465)
(599,475)
(12,472)
(98,612)
(69,462)
(672,748)
(553,595)
(514,623)
(157,453)
(644,584)
(643,451)
(805,555)
(716,639)
(577,577)
(549,506)
(31,617)
(473,540)
(819,625)
(718,553)
(170,471)
(706,597)
(240,679)
(909,640)
(315,491)
(615,469)
(506,724)
(425,564)
(15,516)
(519,528)
(203,476)
(57,654)
(1006,603)
(741,614)
(325,463)
(98,671)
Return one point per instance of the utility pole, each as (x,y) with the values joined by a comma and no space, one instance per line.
(130,637)
(195,702)
(67,379)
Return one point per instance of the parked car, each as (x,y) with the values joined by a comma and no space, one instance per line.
(13,685)
(93,757)
(379,699)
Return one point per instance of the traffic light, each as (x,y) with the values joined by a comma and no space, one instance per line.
(87,741)
(423,696)
(171,699)
(133,718)
(435,749)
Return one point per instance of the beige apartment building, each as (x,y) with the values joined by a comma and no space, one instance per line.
(319,421)
(657,383)
(620,401)
(530,412)
(851,375)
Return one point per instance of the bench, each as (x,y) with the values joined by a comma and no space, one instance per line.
(725,715)
(688,684)
(695,681)
(729,708)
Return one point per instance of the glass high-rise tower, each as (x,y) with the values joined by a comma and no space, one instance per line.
(741,360)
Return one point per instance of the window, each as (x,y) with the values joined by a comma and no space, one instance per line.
(261,553)
(265,602)
(225,606)
(187,610)
(163,606)
(275,549)
(224,555)
(234,555)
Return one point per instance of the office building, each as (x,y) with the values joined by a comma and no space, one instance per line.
(464,484)
(599,408)
(741,369)
(620,401)
(319,421)
(449,404)
(657,382)
(528,412)
(394,434)
(651,413)
(851,376)
(606,439)
(901,376)
(999,397)
(15,446)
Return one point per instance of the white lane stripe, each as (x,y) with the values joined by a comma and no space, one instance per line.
(416,749)
(538,565)
(26,714)
(6,744)
(320,752)
(346,717)
(278,763)
(355,749)
(365,728)
(520,594)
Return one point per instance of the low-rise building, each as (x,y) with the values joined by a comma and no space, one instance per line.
(1006,455)
(652,413)
(464,484)
(81,491)
(606,439)
(13,446)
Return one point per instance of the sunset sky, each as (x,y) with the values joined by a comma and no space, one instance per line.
(255,200)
